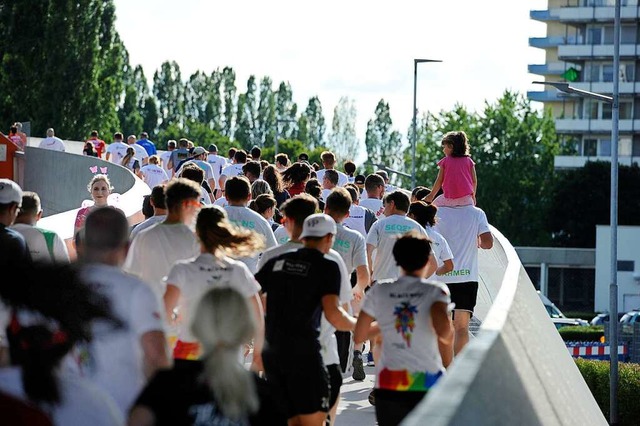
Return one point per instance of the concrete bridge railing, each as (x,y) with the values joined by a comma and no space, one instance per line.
(517,371)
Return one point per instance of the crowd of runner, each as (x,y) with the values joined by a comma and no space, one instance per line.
(250,290)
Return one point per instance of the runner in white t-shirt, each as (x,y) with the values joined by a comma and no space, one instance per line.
(328,159)
(44,245)
(189,279)
(117,149)
(413,317)
(351,247)
(120,361)
(218,163)
(374,189)
(360,218)
(465,228)
(238,194)
(152,173)
(425,215)
(383,234)
(154,250)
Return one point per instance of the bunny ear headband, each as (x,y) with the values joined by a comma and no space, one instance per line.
(94,170)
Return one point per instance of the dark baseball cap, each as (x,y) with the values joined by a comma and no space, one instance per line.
(359,179)
(303,157)
(213,148)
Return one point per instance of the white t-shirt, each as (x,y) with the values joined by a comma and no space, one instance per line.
(205,198)
(350,245)
(154,251)
(325,194)
(461,226)
(117,151)
(342,178)
(153,175)
(141,153)
(146,224)
(165,160)
(410,358)
(217,163)
(383,235)
(356,219)
(246,218)
(375,205)
(327,338)
(281,235)
(232,170)
(53,143)
(82,403)
(440,248)
(114,359)
(195,276)
(54,251)
(221,202)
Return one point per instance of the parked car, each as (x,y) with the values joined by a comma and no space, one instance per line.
(556,315)
(602,317)
(629,319)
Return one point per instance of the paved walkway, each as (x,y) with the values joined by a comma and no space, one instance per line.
(354,408)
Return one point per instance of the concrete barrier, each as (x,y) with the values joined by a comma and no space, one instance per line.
(61,179)
(517,370)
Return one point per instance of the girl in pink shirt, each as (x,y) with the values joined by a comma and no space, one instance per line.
(457,174)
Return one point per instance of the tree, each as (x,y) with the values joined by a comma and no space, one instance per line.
(168,89)
(343,140)
(229,90)
(286,109)
(63,65)
(266,119)
(315,122)
(382,142)
(246,116)
(580,200)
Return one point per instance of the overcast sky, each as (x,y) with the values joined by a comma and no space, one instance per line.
(360,49)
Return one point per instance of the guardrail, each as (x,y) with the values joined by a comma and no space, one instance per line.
(517,370)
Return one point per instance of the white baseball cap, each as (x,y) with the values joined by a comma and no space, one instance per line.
(10,192)
(318,225)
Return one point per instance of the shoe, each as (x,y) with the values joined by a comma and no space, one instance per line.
(358,366)
(372,397)
(370,361)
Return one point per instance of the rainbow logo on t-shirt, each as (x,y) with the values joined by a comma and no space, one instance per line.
(403,380)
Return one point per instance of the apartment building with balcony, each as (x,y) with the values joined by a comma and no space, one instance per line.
(579,48)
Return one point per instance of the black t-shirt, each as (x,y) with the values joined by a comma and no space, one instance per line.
(179,397)
(295,283)
(13,248)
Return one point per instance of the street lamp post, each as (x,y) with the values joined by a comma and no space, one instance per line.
(415,111)
(278,121)
(613,286)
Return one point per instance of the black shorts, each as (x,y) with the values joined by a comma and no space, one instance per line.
(335,382)
(300,388)
(464,295)
(393,406)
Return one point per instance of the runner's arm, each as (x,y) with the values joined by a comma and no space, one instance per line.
(336,314)
(444,331)
(156,353)
(485,240)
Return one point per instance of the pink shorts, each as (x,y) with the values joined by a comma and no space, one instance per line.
(442,201)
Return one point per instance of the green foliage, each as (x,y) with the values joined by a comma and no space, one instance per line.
(343,140)
(315,122)
(382,142)
(513,147)
(592,333)
(596,375)
(63,66)
(585,315)
(581,200)
(293,148)
(169,89)
(200,134)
